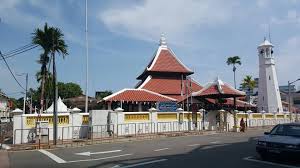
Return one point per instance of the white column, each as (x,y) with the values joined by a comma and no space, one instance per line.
(140,107)
(18,124)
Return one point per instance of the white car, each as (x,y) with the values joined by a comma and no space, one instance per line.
(283,140)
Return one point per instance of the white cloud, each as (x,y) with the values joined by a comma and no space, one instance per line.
(292,17)
(12,14)
(268,3)
(288,59)
(177,18)
(262,3)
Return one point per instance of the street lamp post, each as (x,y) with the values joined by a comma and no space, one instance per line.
(289,95)
(26,87)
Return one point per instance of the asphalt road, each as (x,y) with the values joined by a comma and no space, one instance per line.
(218,150)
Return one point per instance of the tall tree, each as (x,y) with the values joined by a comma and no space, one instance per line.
(248,83)
(51,40)
(42,37)
(101,94)
(68,90)
(235,60)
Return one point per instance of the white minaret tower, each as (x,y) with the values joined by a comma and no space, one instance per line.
(268,91)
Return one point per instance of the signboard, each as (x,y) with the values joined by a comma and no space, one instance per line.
(167,106)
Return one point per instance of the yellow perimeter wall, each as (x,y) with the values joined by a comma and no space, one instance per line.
(136,117)
(62,120)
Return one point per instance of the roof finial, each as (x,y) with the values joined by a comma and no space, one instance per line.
(270,34)
(265,38)
(162,41)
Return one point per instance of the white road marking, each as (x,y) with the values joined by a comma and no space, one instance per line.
(215,142)
(52,156)
(213,146)
(250,158)
(140,164)
(94,153)
(194,145)
(104,158)
(156,150)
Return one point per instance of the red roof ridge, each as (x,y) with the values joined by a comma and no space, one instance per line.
(145,82)
(131,89)
(241,101)
(196,82)
(241,92)
(219,83)
(158,54)
(114,94)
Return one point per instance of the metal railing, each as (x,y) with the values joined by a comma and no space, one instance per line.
(70,134)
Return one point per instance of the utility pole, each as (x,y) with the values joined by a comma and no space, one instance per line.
(87,58)
(54,101)
(289,94)
(55,118)
(25,98)
(26,87)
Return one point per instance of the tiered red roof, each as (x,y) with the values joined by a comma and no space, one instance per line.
(168,86)
(137,95)
(165,61)
(218,89)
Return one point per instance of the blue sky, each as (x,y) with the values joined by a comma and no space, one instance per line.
(123,35)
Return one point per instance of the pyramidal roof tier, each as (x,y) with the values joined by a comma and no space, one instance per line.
(137,95)
(164,60)
(265,43)
(168,86)
(218,88)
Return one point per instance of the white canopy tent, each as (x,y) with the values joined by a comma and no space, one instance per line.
(17,110)
(75,109)
(61,107)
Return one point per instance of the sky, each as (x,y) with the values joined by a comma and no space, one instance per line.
(124,34)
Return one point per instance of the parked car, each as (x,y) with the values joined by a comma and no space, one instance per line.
(283,140)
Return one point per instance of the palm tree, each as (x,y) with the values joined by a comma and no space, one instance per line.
(50,39)
(235,60)
(42,76)
(248,83)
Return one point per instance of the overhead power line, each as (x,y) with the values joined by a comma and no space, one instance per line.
(11,71)
(18,51)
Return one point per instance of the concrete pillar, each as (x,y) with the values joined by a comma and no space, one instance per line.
(75,122)
(140,107)
(109,105)
(153,115)
(119,115)
(153,118)
(18,124)
(222,119)
(180,110)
